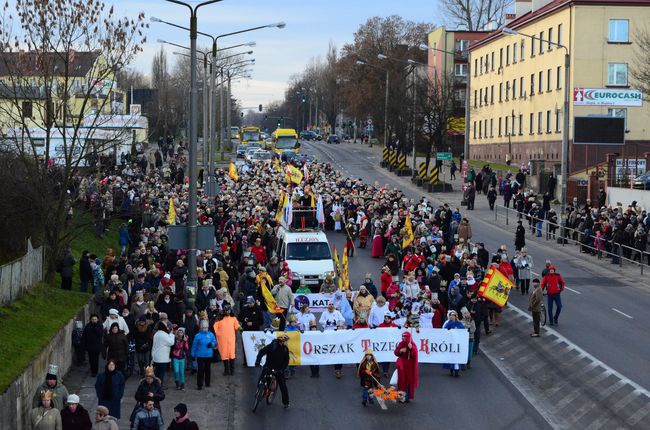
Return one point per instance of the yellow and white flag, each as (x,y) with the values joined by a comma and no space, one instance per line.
(409,238)
(232,172)
(171,213)
(294,175)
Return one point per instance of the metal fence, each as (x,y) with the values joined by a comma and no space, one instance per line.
(19,275)
(564,235)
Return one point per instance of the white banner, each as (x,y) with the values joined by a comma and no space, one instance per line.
(317,302)
(347,346)
(607,97)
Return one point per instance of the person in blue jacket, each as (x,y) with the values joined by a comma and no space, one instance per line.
(124,237)
(452,323)
(109,389)
(203,348)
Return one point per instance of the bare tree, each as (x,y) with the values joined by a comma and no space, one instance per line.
(475,14)
(641,67)
(58,61)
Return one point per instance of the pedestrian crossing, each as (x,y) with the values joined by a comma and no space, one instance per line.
(570,388)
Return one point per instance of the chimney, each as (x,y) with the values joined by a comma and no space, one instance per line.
(510,17)
(522,7)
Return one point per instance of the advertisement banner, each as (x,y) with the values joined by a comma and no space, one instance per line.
(317,302)
(607,97)
(630,168)
(347,346)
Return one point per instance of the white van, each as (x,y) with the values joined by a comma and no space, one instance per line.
(308,254)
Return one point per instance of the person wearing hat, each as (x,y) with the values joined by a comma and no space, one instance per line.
(58,391)
(277,360)
(74,416)
(328,286)
(554,284)
(44,416)
(116,347)
(470,325)
(351,235)
(452,323)
(203,348)
(250,316)
(138,306)
(150,388)
(181,420)
(370,286)
(92,341)
(104,421)
(225,330)
(369,375)
(114,317)
(283,298)
(535,306)
(407,365)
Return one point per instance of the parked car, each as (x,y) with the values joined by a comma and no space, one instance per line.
(642,182)
(333,139)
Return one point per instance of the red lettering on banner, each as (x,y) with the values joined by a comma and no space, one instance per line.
(365,344)
(424,345)
(307,348)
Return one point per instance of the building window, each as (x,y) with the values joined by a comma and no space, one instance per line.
(514,89)
(491,94)
(491,127)
(532,46)
(480,129)
(540,83)
(617,74)
(521,124)
(500,58)
(460,96)
(27,109)
(462,45)
(474,98)
(542,42)
(492,60)
(514,52)
(514,125)
(522,49)
(559,34)
(499,126)
(481,66)
(557,120)
(485,128)
(508,55)
(486,95)
(521,87)
(548,121)
(558,77)
(531,123)
(532,84)
(618,30)
(550,39)
(487,64)
(539,123)
(507,90)
(618,113)
(475,67)
(507,126)
(474,129)
(480,96)
(460,69)
(548,80)
(500,92)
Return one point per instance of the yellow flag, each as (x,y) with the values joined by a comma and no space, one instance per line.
(344,271)
(276,162)
(409,232)
(232,172)
(281,204)
(495,287)
(171,214)
(271,305)
(337,264)
(294,175)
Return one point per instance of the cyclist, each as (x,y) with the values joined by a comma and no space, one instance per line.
(277,360)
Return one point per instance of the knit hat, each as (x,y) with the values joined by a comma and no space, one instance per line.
(113,312)
(250,299)
(181,408)
(103,410)
(73,398)
(52,371)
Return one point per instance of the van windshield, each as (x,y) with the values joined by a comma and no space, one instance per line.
(308,251)
(285,142)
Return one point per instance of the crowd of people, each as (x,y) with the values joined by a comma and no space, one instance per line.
(149,323)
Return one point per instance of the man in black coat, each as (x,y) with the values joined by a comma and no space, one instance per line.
(277,359)
(92,342)
(250,315)
(85,271)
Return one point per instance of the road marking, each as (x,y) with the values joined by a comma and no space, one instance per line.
(622,313)
(584,353)
(571,289)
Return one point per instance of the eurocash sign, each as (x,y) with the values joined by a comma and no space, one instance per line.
(607,97)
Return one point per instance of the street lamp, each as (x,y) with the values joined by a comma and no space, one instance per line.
(192,222)
(361,62)
(565,113)
(211,185)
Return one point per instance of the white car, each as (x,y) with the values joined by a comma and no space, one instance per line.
(260,156)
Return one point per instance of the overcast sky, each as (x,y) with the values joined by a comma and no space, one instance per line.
(311,26)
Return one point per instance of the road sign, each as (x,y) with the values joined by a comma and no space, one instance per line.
(443,156)
(135,109)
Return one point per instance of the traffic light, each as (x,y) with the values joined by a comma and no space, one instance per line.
(266,117)
(304,99)
(260,107)
(279,124)
(242,114)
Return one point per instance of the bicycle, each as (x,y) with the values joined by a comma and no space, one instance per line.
(266,388)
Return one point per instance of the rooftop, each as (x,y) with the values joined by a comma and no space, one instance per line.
(35,63)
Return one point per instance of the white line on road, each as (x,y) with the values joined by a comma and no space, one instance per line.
(571,289)
(622,313)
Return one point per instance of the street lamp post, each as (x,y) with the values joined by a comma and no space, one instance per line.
(363,62)
(192,222)
(565,119)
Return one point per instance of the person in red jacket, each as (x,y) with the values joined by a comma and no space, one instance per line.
(410,261)
(386,280)
(259,251)
(553,284)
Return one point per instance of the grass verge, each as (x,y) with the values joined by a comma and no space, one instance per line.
(29,323)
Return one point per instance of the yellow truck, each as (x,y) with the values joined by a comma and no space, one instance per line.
(285,140)
(251,135)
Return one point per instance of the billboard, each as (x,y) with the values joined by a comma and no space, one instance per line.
(598,130)
(607,97)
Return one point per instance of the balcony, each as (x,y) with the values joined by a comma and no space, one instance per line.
(460,80)
(460,55)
